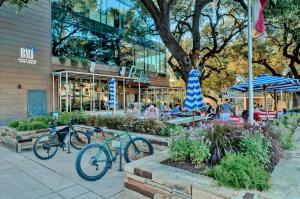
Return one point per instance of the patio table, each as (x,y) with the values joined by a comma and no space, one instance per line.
(184,120)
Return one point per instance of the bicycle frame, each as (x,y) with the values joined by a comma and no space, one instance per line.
(107,141)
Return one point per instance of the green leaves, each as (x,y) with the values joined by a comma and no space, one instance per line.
(239,171)
(185,149)
(258,147)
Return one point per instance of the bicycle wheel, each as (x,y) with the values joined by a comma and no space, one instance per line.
(92,162)
(46,146)
(136,149)
(79,139)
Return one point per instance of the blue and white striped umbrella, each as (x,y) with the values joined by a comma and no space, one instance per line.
(112,89)
(269,83)
(194,97)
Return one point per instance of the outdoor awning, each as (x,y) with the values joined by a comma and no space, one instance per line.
(270,83)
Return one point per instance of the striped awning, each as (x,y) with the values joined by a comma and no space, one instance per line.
(112,89)
(194,97)
(270,83)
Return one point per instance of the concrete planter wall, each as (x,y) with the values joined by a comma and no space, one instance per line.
(148,178)
(9,137)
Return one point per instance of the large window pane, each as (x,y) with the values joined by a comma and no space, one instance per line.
(150,60)
(139,57)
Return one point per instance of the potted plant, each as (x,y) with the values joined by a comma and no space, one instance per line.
(85,63)
(74,61)
(62,59)
(98,87)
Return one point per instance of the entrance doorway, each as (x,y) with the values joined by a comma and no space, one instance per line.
(37,102)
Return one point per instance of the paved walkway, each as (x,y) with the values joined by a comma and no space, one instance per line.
(286,176)
(24,176)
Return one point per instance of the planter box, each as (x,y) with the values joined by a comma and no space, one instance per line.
(148,178)
(18,140)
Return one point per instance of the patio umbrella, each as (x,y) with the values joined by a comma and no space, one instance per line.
(112,89)
(269,84)
(194,98)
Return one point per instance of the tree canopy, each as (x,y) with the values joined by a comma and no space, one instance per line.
(211,25)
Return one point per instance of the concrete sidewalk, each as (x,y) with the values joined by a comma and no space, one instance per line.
(25,176)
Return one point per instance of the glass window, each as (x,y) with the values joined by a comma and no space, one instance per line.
(162,62)
(150,61)
(113,14)
(139,57)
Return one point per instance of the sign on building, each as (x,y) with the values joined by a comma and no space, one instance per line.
(27,56)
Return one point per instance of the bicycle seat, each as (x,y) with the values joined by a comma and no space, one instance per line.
(97,129)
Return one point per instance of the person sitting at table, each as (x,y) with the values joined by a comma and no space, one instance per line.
(284,112)
(152,112)
(176,109)
(166,108)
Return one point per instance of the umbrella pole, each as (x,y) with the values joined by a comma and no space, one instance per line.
(194,124)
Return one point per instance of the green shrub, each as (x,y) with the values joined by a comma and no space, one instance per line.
(46,119)
(62,59)
(16,123)
(74,61)
(256,146)
(147,126)
(23,126)
(85,62)
(221,139)
(171,129)
(65,117)
(37,125)
(239,171)
(286,138)
(199,152)
(91,120)
(180,149)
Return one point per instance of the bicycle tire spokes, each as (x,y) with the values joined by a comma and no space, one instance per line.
(93,161)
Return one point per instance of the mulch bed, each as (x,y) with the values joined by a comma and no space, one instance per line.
(188,166)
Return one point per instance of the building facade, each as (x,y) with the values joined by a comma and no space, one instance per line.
(25,61)
(58,56)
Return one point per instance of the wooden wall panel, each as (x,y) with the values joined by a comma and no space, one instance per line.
(31,28)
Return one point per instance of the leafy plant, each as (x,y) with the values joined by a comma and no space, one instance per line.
(221,142)
(239,171)
(85,63)
(258,147)
(286,138)
(74,61)
(180,149)
(23,126)
(62,59)
(16,123)
(65,117)
(199,152)
(46,119)
(37,125)
(171,129)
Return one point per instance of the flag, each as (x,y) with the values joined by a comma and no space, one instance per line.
(258,16)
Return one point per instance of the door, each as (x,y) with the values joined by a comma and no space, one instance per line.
(37,103)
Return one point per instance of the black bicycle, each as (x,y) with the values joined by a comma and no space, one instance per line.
(46,146)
